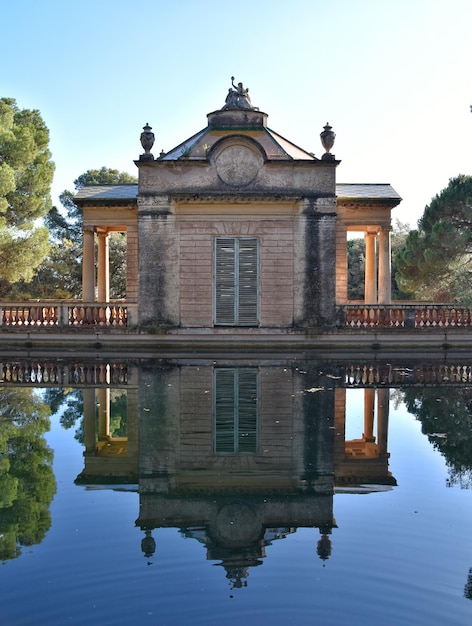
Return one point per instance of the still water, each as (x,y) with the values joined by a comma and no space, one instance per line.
(207,492)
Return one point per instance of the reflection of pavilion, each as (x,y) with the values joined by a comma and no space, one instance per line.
(236,457)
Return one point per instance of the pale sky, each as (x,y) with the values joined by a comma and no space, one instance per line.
(393,78)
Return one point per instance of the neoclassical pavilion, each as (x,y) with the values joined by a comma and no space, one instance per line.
(237,227)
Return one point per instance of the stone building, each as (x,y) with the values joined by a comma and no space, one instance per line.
(236,227)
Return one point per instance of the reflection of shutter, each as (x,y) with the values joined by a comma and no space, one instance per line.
(247,410)
(224,410)
(236,281)
(235,410)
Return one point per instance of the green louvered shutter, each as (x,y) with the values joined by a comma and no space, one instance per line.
(236,281)
(235,410)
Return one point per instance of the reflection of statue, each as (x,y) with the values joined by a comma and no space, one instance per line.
(148,544)
(238,98)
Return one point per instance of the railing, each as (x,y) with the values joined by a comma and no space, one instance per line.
(424,316)
(66,314)
(54,373)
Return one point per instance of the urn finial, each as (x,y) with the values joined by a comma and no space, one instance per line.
(327,137)
(147,142)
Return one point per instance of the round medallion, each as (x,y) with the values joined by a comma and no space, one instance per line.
(238,165)
(236,524)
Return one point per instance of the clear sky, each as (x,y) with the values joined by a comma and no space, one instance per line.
(393,78)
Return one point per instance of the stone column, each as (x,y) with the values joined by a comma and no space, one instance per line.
(370,269)
(103,269)
(385,270)
(88,266)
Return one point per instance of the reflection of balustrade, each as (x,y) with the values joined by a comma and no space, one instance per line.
(365,374)
(64,314)
(427,316)
(57,373)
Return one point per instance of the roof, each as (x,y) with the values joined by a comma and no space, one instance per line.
(366,191)
(252,124)
(348,191)
(107,192)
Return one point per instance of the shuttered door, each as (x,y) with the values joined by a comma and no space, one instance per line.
(236,281)
(235,410)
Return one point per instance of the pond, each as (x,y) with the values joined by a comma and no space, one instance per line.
(175,492)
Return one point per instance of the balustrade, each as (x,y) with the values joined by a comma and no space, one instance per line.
(64,314)
(426,316)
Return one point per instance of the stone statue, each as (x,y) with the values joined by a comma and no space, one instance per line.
(238,98)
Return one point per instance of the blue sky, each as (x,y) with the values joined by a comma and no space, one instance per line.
(392,78)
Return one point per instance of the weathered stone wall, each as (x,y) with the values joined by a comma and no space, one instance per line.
(158,263)
(315,264)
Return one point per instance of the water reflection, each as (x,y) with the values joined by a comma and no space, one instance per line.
(27,483)
(237,457)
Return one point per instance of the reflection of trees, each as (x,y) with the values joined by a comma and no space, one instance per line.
(69,403)
(27,482)
(468,586)
(446,417)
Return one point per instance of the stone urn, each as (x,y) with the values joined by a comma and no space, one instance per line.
(147,142)
(327,137)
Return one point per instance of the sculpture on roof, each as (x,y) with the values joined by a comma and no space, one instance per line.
(238,98)
(147,141)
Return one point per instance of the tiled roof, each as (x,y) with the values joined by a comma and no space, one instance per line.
(107,192)
(343,190)
(366,191)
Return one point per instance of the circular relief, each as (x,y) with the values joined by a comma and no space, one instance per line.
(238,165)
(236,524)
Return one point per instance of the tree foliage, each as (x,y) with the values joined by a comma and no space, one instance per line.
(104,176)
(60,274)
(26,173)
(436,261)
